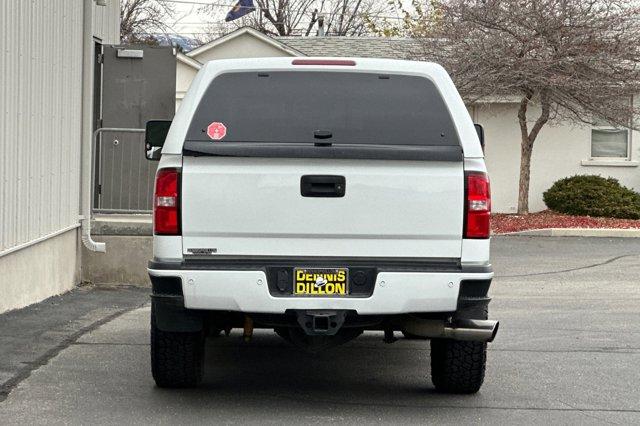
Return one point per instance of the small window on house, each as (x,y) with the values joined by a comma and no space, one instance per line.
(608,141)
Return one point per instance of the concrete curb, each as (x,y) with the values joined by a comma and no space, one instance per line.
(578,232)
(125,225)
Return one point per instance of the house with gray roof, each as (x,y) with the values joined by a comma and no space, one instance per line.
(562,149)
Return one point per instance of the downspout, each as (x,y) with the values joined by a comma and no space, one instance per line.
(87,128)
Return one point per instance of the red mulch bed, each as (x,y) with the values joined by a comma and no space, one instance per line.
(504,223)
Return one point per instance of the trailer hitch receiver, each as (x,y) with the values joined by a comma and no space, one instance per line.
(320,323)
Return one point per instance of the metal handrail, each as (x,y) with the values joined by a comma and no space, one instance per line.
(98,145)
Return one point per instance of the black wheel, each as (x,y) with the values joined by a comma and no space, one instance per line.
(458,366)
(177,359)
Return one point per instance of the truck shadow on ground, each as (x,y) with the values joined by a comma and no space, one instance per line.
(362,372)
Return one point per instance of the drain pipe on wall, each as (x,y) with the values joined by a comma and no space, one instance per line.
(87,128)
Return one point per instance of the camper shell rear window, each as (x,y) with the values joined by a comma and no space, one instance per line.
(324,115)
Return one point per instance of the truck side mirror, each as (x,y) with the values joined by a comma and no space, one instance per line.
(154,137)
(480,132)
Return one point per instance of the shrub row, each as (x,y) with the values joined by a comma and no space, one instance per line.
(589,195)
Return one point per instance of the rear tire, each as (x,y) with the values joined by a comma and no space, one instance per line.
(458,366)
(177,358)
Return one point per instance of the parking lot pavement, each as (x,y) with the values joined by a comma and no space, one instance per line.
(29,337)
(568,351)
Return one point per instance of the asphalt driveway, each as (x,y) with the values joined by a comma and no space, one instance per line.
(568,351)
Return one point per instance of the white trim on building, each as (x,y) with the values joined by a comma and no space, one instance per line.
(181,57)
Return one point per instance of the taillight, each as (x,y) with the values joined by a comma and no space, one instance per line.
(477,206)
(166,202)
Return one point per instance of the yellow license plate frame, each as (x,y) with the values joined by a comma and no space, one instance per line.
(334,282)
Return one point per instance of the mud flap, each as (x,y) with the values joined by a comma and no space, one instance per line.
(171,315)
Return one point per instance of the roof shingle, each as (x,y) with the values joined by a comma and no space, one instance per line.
(368,47)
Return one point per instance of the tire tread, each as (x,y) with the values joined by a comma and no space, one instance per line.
(177,359)
(458,366)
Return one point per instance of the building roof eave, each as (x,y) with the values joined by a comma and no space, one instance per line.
(245,30)
(188,61)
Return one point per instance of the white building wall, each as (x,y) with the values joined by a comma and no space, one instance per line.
(106,22)
(41,270)
(184,76)
(40,146)
(40,118)
(242,46)
(561,150)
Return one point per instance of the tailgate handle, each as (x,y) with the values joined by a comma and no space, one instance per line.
(322,186)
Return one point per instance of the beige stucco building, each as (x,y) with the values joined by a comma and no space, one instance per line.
(561,150)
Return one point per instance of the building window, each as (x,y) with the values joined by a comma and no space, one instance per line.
(610,142)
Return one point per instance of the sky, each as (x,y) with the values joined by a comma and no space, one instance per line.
(189,22)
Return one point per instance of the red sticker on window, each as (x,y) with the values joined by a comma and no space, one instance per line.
(216,131)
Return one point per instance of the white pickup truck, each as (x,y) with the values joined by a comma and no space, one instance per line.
(321,198)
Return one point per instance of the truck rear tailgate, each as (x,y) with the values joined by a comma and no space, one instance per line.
(244,206)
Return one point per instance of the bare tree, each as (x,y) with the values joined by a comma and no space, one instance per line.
(354,18)
(282,17)
(575,60)
(140,18)
(300,17)
(407,22)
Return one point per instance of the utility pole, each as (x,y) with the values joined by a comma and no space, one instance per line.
(321,25)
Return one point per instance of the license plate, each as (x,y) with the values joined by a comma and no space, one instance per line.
(321,282)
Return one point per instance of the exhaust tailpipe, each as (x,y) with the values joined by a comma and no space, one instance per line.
(474,330)
(461,329)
